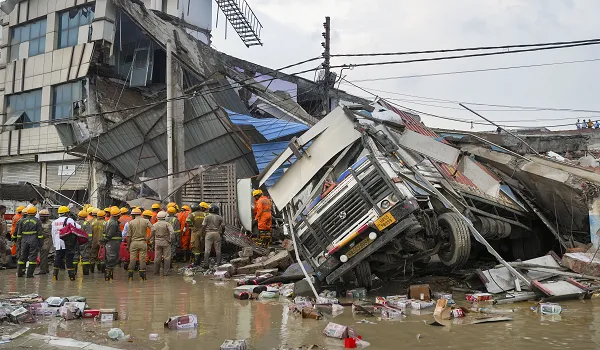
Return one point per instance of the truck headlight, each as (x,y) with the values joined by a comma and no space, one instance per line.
(385,204)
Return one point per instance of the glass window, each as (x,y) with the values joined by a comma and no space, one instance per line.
(34,32)
(28,102)
(69,24)
(63,97)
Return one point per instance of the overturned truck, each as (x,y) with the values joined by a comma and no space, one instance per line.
(371,190)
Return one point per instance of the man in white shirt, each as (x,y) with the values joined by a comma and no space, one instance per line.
(65,249)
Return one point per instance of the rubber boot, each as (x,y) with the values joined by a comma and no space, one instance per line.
(156,268)
(55,273)
(86,269)
(30,270)
(110,273)
(197,261)
(130,275)
(143,275)
(75,267)
(71,273)
(20,270)
(102,267)
(92,267)
(107,274)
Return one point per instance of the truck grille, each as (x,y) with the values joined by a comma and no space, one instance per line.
(347,211)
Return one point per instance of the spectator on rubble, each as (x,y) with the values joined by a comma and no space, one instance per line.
(590,124)
(597,125)
(578,124)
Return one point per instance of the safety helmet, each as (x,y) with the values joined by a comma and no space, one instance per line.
(89,210)
(186,207)
(161,215)
(257,193)
(204,205)
(20,208)
(82,214)
(44,212)
(171,210)
(171,204)
(155,206)
(147,213)
(106,209)
(24,211)
(101,213)
(195,207)
(31,210)
(63,210)
(124,210)
(136,211)
(114,211)
(213,209)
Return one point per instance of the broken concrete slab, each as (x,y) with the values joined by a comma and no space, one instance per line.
(583,263)
(239,262)
(569,289)
(250,269)
(280,260)
(266,271)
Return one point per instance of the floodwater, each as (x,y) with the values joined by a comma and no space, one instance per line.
(144,306)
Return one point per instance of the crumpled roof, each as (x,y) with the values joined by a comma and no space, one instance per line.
(270,128)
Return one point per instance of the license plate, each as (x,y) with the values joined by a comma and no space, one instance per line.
(357,248)
(383,222)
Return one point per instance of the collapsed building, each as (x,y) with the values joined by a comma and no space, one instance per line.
(86,88)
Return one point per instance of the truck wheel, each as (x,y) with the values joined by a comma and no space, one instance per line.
(362,271)
(456,231)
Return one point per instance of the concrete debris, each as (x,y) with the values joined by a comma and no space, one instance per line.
(583,263)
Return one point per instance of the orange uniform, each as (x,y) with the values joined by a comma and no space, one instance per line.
(262,209)
(123,220)
(14,221)
(186,234)
(154,218)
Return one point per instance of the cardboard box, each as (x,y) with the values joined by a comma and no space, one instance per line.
(358,293)
(36,306)
(420,292)
(81,305)
(391,314)
(46,311)
(420,305)
(334,330)
(233,345)
(21,315)
(70,312)
(440,305)
(90,313)
(479,297)
(182,322)
(108,315)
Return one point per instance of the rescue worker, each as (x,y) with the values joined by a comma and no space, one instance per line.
(136,241)
(107,215)
(176,225)
(65,247)
(194,221)
(89,211)
(213,228)
(161,238)
(112,242)
(262,210)
(47,241)
(3,237)
(124,219)
(84,250)
(98,225)
(155,210)
(30,230)
(16,239)
(184,242)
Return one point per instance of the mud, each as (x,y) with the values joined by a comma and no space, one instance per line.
(144,306)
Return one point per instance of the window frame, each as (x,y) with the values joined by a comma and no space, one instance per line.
(32,107)
(60,108)
(39,40)
(68,28)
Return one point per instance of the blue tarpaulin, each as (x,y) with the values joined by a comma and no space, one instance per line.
(270,128)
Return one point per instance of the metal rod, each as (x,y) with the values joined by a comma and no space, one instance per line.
(170,157)
(501,128)
(489,143)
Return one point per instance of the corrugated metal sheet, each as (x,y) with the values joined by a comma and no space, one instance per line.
(215,185)
(270,128)
(228,98)
(78,181)
(265,153)
(21,172)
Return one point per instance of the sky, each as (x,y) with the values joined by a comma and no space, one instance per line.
(292,33)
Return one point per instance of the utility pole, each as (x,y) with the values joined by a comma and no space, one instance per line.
(170,155)
(326,64)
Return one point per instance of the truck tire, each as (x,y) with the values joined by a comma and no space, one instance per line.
(459,239)
(362,271)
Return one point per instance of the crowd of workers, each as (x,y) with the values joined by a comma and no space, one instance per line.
(99,240)
(587,125)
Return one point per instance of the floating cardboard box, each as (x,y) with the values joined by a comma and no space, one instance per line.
(108,315)
(420,292)
(21,315)
(182,322)
(334,330)
(91,313)
(233,345)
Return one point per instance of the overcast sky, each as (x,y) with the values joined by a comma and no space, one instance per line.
(292,32)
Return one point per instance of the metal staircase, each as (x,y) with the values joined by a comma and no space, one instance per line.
(243,20)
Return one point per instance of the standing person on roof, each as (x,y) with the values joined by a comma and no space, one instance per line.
(112,239)
(174,222)
(136,241)
(194,221)
(65,248)
(590,124)
(262,212)
(161,238)
(84,251)
(47,241)
(213,228)
(578,124)
(30,230)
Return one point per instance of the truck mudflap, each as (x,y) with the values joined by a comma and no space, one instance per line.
(332,269)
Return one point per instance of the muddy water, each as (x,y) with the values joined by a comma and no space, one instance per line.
(144,306)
